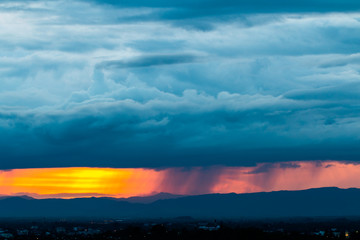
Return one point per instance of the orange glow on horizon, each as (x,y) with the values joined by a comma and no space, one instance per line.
(117,182)
(78,182)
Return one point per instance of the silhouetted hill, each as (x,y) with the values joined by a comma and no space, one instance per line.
(150,199)
(312,202)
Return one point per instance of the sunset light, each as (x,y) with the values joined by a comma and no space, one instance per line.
(127,182)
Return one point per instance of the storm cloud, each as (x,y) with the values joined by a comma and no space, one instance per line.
(181,83)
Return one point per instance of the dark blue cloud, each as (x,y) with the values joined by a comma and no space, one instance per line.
(268,166)
(148,61)
(202,15)
(213,6)
(178,83)
(180,135)
(346,92)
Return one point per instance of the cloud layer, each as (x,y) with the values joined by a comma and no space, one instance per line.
(158,84)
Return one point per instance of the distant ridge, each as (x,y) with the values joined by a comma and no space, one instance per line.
(21,196)
(305,203)
(152,198)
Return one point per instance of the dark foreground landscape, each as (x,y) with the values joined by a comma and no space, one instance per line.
(182,228)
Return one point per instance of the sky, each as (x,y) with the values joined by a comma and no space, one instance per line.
(156,85)
(127,182)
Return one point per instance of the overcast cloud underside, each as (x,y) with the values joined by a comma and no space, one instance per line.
(178,83)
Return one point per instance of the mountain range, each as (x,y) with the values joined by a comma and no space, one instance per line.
(305,203)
